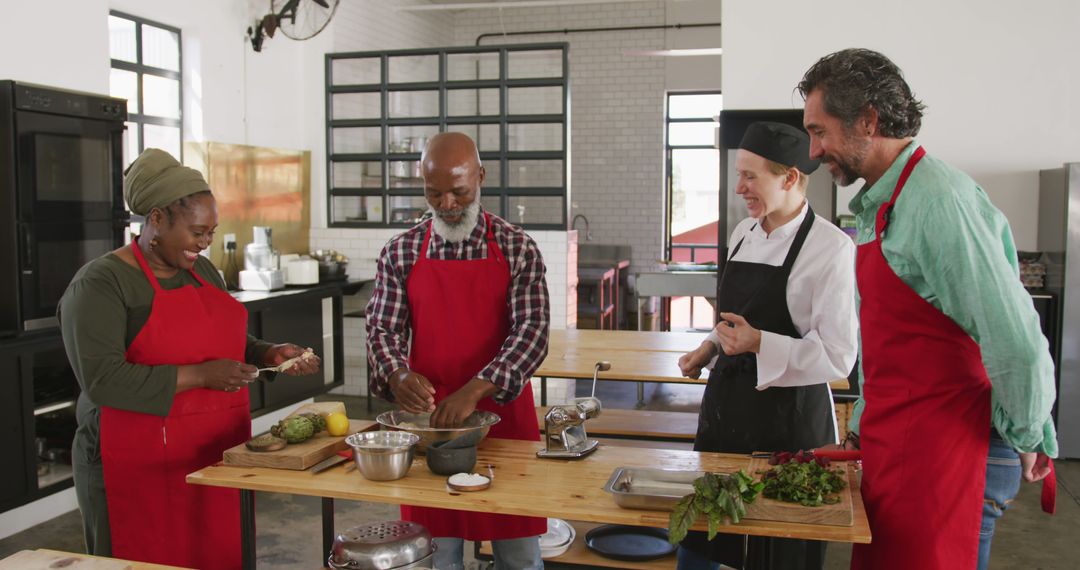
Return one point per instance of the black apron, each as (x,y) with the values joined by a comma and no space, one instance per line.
(736,417)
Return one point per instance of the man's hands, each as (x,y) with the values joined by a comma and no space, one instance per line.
(452,411)
(737,336)
(1035,466)
(691,363)
(412,391)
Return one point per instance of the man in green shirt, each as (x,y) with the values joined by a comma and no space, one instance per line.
(943,241)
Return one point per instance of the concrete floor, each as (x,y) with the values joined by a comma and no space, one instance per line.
(289,531)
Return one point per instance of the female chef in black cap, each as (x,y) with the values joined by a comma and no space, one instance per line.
(788,326)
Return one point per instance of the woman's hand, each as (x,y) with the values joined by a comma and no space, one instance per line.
(223,374)
(279,353)
(737,336)
(691,363)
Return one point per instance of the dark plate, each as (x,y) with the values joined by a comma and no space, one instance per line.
(623,542)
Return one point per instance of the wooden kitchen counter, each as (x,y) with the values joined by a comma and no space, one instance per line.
(527,485)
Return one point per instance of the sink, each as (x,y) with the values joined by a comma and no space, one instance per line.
(602,255)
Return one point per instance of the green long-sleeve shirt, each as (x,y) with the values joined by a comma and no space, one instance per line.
(955,249)
(101,313)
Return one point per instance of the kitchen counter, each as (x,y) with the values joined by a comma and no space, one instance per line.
(523,485)
(257,299)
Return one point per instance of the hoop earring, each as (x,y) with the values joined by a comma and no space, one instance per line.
(154,243)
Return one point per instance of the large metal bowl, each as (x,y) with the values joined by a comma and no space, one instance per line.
(475,428)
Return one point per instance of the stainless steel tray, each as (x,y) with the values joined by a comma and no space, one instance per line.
(650,489)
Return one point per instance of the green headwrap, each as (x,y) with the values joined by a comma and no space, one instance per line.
(156,179)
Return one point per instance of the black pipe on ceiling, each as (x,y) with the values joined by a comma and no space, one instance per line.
(591,30)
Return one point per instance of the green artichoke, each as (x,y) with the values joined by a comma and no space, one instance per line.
(294,430)
(317,421)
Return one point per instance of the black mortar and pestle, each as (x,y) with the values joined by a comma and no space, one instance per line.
(453,456)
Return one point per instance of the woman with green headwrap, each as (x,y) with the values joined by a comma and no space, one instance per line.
(163,357)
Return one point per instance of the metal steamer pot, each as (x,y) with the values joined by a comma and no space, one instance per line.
(390,545)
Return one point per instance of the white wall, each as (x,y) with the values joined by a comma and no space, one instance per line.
(1000,80)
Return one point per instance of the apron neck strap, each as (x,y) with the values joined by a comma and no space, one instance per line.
(150,274)
(886,209)
(800,238)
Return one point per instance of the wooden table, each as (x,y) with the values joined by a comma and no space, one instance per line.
(44,558)
(523,485)
(635,356)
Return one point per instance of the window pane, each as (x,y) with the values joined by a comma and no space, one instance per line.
(161,96)
(362,71)
(161,48)
(405,174)
(358,209)
(472,102)
(413,103)
(125,85)
(472,66)
(536,173)
(410,139)
(131,143)
(485,136)
(407,209)
(122,39)
(695,188)
(535,210)
(492,204)
(535,100)
(534,63)
(540,136)
(357,140)
(357,174)
(165,138)
(692,134)
(705,106)
(492,173)
(356,106)
(413,68)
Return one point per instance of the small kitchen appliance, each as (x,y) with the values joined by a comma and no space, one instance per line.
(564,426)
(261,271)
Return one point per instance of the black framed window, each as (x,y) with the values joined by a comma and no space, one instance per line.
(146,70)
(382,107)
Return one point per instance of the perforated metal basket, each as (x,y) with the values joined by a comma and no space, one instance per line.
(390,545)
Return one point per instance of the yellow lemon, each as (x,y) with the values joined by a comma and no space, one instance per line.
(337,424)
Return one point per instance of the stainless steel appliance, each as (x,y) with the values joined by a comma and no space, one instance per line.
(261,271)
(61,195)
(564,426)
(1059,240)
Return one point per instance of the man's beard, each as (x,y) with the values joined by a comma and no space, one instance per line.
(456,232)
(848,167)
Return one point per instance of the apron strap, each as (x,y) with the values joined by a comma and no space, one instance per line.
(800,239)
(886,209)
(150,274)
(493,247)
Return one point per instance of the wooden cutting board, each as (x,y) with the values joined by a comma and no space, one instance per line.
(42,560)
(296,456)
(838,514)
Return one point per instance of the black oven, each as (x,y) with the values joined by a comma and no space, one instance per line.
(61,195)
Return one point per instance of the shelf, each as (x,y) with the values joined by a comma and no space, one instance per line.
(57,472)
(580,554)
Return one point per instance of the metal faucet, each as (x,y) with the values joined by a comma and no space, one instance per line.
(573,224)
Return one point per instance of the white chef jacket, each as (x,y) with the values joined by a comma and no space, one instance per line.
(820,298)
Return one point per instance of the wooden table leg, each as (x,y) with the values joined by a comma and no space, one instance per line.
(247,529)
(543,390)
(328,534)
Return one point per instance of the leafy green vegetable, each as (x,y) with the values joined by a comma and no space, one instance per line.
(807,483)
(717,496)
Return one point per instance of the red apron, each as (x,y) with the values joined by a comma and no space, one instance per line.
(154,515)
(460,319)
(925,430)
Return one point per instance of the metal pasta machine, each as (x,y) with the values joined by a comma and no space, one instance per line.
(564,425)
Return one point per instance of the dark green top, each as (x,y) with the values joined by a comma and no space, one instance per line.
(101,313)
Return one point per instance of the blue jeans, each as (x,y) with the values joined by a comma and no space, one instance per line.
(1003,473)
(512,554)
(689,560)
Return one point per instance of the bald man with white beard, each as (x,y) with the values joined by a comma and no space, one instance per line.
(459,322)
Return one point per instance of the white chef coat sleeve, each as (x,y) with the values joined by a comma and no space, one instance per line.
(828,349)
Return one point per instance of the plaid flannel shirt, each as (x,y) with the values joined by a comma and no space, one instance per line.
(388,323)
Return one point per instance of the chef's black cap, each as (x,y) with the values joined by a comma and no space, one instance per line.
(780,143)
